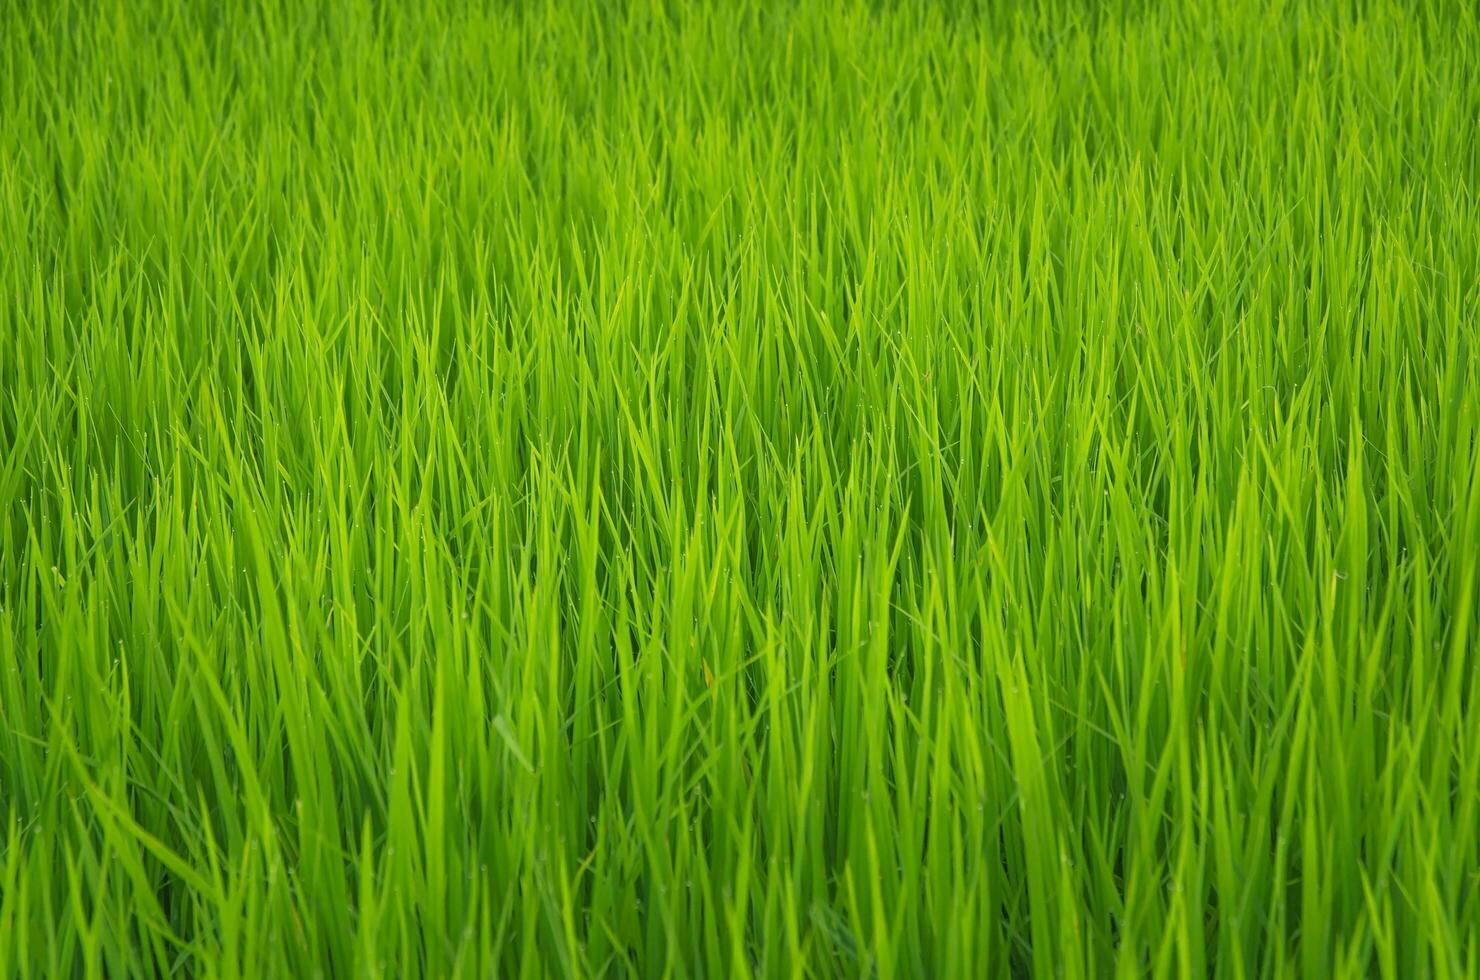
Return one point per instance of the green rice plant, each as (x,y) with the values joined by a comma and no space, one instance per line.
(721,489)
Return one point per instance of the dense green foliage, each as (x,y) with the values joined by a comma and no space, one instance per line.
(708,489)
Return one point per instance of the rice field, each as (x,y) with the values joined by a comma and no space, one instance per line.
(735,489)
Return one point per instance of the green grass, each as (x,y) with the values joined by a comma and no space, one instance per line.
(721,489)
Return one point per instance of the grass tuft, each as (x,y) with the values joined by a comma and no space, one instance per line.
(739,489)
